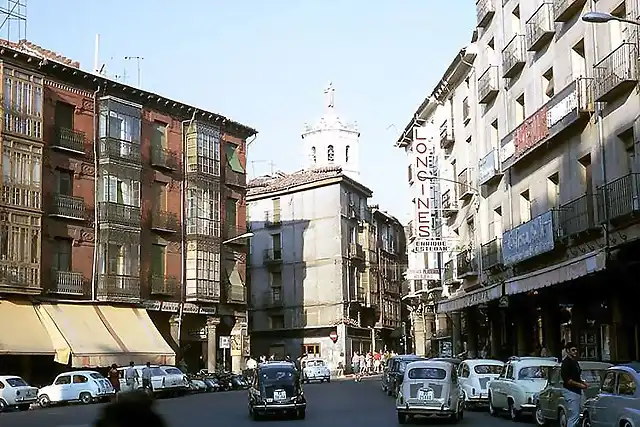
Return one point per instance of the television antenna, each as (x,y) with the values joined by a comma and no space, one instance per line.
(13,18)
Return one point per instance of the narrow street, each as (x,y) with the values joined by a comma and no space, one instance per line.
(338,404)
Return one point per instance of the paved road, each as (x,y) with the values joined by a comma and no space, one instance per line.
(338,404)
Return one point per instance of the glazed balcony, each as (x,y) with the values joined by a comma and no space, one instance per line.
(164,221)
(68,283)
(619,199)
(273,298)
(485,9)
(116,287)
(204,291)
(578,216)
(564,10)
(488,85)
(466,264)
(203,227)
(116,150)
(489,168)
(164,159)
(19,278)
(491,253)
(540,27)
(449,275)
(116,213)
(165,285)
(466,184)
(616,73)
(272,256)
(68,140)
(70,207)
(272,218)
(514,57)
(234,178)
(446,134)
(356,252)
(449,203)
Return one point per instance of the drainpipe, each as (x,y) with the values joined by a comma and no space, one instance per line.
(94,266)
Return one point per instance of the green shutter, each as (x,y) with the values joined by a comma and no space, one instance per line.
(231,150)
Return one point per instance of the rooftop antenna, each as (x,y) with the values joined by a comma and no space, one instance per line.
(137,59)
(271,164)
(13,17)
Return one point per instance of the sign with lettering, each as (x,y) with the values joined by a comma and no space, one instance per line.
(480,296)
(152,305)
(170,306)
(530,239)
(190,308)
(424,274)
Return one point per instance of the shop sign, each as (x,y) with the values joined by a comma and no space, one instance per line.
(480,296)
(170,306)
(152,305)
(528,240)
(190,308)
(208,310)
(423,274)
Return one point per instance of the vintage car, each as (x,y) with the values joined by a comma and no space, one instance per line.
(315,370)
(430,389)
(618,400)
(76,386)
(277,389)
(474,376)
(550,402)
(520,382)
(455,361)
(394,373)
(16,393)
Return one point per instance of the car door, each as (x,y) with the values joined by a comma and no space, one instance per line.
(77,386)
(626,389)
(501,387)
(552,393)
(601,403)
(463,377)
(61,390)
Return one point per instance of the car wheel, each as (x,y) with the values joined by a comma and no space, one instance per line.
(586,421)
(514,414)
(562,418)
(302,413)
(3,405)
(402,418)
(86,398)
(328,380)
(44,400)
(540,419)
(626,424)
(255,416)
(492,410)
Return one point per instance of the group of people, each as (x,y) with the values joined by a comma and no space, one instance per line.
(131,378)
(369,363)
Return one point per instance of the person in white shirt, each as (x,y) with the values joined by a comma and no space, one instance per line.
(146,377)
(131,377)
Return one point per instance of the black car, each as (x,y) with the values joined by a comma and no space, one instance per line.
(392,378)
(277,389)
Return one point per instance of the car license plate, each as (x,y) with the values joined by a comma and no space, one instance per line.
(425,394)
(279,395)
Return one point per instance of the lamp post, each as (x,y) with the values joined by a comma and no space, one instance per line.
(602,17)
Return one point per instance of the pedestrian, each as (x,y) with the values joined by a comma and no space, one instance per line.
(340,370)
(131,410)
(369,363)
(355,365)
(114,378)
(377,361)
(146,378)
(131,377)
(571,377)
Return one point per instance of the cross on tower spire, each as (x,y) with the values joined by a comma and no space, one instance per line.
(329,96)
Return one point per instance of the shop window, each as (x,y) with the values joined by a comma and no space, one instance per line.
(311,349)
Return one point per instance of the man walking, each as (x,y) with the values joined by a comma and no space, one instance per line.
(146,378)
(573,383)
(131,377)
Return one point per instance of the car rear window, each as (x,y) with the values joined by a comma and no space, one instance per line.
(315,363)
(488,369)
(592,376)
(16,382)
(157,372)
(533,373)
(96,376)
(427,374)
(173,371)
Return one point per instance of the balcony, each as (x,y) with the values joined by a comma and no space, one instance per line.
(540,27)
(484,12)
(272,218)
(409,230)
(68,140)
(116,213)
(449,203)
(68,283)
(466,111)
(115,287)
(446,134)
(491,253)
(111,150)
(22,278)
(356,252)
(70,207)
(164,159)
(449,275)
(513,57)
(273,298)
(202,290)
(232,231)
(272,256)
(616,73)
(165,285)
(235,179)
(203,227)
(465,184)
(619,199)
(489,168)
(488,85)
(578,216)
(564,10)
(466,264)
(164,221)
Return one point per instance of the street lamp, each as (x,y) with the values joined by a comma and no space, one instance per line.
(602,17)
(242,236)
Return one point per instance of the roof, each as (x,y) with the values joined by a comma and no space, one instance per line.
(476,362)
(63,69)
(593,365)
(287,182)
(277,365)
(431,363)
(408,357)
(633,366)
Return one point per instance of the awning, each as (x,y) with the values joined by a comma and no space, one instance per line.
(469,299)
(559,273)
(138,335)
(21,332)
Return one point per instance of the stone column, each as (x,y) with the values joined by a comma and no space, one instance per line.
(174,330)
(456,335)
(237,340)
(472,331)
(419,335)
(429,332)
(212,342)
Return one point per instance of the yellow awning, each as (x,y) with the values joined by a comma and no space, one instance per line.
(21,331)
(78,333)
(138,335)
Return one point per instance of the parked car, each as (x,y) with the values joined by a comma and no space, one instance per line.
(430,389)
(551,405)
(315,370)
(519,384)
(618,400)
(474,376)
(277,389)
(174,381)
(456,362)
(158,380)
(393,375)
(16,393)
(76,386)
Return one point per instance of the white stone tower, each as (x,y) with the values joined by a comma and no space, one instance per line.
(332,141)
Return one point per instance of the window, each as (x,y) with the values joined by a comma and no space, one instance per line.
(608,383)
(578,60)
(20,243)
(203,212)
(79,379)
(122,123)
(428,374)
(311,349)
(64,182)
(276,242)
(61,254)
(63,380)
(493,137)
(158,135)
(525,207)
(231,215)
(547,85)
(626,385)
(346,154)
(22,99)
(119,190)
(158,254)
(330,154)
(159,195)
(515,20)
(313,155)
(510,372)
(22,174)
(203,274)
(277,322)
(519,111)
(63,115)
(233,158)
(464,371)
(553,191)
(276,279)
(203,150)
(533,372)
(16,382)
(487,369)
(119,260)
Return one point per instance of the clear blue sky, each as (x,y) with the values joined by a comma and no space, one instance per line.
(265,63)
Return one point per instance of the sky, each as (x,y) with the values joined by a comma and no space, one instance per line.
(266,63)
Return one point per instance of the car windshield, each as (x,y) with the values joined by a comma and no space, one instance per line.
(533,373)
(173,371)
(277,376)
(157,372)
(592,376)
(315,363)
(427,374)
(488,369)
(16,382)
(96,376)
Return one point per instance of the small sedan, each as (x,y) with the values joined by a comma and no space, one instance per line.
(618,400)
(277,389)
(76,386)
(316,370)
(474,376)
(16,393)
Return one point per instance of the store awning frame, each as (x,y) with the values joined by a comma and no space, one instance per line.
(23,333)
(472,298)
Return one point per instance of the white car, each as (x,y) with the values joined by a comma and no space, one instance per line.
(15,392)
(158,379)
(474,376)
(315,370)
(82,386)
(517,387)
(175,380)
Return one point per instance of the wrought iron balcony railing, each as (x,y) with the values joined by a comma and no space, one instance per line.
(272,218)
(446,134)
(578,216)
(619,198)
(449,203)
(111,149)
(488,85)
(234,178)
(616,73)
(466,184)
(513,57)
(116,213)
(165,159)
(65,206)
(232,231)
(165,221)
(356,251)
(112,287)
(20,277)
(273,298)
(165,285)
(466,263)
(272,256)
(69,140)
(540,27)
(485,10)
(68,283)
(491,253)
(564,10)
(449,275)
